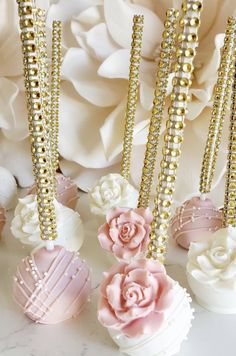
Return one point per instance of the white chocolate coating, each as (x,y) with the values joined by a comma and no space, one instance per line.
(168,339)
(110,191)
(25,225)
(211,271)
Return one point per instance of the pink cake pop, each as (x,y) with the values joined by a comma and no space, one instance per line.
(2,219)
(67,191)
(52,285)
(195,217)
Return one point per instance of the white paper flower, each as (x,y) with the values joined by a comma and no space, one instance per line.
(96,45)
(8,191)
(25,225)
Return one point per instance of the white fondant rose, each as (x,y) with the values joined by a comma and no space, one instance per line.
(25,224)
(111,191)
(213,260)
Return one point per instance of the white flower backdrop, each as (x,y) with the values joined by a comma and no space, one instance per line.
(96,44)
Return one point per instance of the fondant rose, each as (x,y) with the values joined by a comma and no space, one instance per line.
(213,260)
(25,224)
(110,191)
(134,297)
(126,232)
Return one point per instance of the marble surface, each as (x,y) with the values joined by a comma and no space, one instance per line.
(211,334)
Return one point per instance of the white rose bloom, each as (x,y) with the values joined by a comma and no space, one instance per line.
(25,225)
(110,191)
(211,270)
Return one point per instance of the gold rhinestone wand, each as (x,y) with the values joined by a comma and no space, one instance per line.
(162,75)
(38,132)
(220,103)
(55,88)
(135,59)
(188,41)
(230,187)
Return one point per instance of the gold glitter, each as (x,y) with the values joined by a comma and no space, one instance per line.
(135,59)
(162,76)
(174,136)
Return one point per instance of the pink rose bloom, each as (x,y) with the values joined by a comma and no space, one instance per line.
(134,297)
(126,232)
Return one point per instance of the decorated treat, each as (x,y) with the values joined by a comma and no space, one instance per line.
(8,189)
(66,191)
(211,271)
(25,225)
(195,217)
(111,191)
(115,189)
(184,234)
(211,268)
(2,220)
(51,286)
(144,310)
(126,233)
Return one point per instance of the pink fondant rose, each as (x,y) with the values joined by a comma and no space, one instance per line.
(134,297)
(126,232)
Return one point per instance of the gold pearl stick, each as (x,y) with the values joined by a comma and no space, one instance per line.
(135,59)
(188,42)
(162,76)
(38,132)
(230,187)
(220,102)
(55,88)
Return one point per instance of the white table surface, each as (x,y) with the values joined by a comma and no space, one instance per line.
(211,334)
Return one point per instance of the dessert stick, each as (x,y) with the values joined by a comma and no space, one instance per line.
(135,59)
(162,76)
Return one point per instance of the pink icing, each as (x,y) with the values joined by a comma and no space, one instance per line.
(126,232)
(134,297)
(67,191)
(52,286)
(2,219)
(195,217)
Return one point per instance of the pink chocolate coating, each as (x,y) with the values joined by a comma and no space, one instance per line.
(67,191)
(2,219)
(52,286)
(195,217)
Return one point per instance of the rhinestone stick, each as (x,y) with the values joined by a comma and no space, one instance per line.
(220,103)
(135,59)
(55,89)
(38,132)
(162,75)
(230,186)
(188,41)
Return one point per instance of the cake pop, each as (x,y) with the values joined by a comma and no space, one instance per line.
(187,230)
(211,267)
(144,310)
(52,284)
(114,189)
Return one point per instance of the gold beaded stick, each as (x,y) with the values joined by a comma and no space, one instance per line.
(135,59)
(162,75)
(39,142)
(220,103)
(55,88)
(188,41)
(230,187)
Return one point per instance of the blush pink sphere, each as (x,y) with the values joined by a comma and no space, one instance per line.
(2,219)
(195,217)
(67,191)
(51,286)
